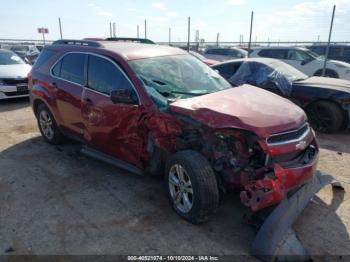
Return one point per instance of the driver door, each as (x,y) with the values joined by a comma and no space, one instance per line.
(112,128)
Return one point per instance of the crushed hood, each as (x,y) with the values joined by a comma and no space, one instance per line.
(326,82)
(14,71)
(244,107)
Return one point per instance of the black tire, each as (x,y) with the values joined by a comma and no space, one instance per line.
(329,73)
(57,137)
(325,116)
(205,197)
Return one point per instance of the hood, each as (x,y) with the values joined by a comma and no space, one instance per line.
(210,62)
(326,82)
(244,107)
(14,71)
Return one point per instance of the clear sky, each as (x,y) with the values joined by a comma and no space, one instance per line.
(284,20)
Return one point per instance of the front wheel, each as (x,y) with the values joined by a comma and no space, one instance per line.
(325,116)
(191,186)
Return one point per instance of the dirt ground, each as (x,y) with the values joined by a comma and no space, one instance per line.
(53,200)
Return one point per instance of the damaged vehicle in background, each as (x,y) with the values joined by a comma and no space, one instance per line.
(304,60)
(158,110)
(325,100)
(28,53)
(206,61)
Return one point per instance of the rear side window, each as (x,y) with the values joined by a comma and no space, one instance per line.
(346,52)
(71,68)
(45,55)
(104,76)
(227,70)
(273,53)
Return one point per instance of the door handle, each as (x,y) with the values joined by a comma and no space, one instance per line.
(88,101)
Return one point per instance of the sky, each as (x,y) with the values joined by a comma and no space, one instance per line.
(274,20)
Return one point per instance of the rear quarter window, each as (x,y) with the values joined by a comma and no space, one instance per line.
(273,53)
(44,56)
(71,68)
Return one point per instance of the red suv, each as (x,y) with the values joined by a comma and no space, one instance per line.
(155,109)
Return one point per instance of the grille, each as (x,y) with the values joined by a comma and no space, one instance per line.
(289,136)
(18,93)
(15,81)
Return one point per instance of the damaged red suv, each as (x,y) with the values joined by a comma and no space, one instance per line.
(158,110)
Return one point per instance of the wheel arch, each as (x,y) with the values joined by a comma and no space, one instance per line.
(318,72)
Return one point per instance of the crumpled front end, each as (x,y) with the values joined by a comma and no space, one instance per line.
(291,158)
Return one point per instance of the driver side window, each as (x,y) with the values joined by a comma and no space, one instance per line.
(297,55)
(104,76)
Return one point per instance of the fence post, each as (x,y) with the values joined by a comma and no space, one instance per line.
(250,34)
(188,33)
(329,40)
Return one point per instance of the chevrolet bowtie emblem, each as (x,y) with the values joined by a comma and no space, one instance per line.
(301,145)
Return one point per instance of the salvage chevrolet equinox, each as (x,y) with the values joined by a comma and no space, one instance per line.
(158,110)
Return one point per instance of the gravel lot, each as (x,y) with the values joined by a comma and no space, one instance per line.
(53,200)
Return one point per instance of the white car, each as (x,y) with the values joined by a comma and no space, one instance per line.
(224,53)
(304,60)
(13,75)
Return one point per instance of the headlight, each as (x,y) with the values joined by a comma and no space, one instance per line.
(340,66)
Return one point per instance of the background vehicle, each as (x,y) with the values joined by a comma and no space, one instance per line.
(13,75)
(159,110)
(304,60)
(209,62)
(336,51)
(326,101)
(26,52)
(224,53)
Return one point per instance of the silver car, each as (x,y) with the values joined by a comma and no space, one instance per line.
(13,75)
(224,53)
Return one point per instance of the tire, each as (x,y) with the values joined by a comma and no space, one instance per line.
(325,116)
(329,73)
(196,170)
(54,136)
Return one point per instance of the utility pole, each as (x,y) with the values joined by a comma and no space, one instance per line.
(169,36)
(110,29)
(217,39)
(250,34)
(138,31)
(60,25)
(114,30)
(188,33)
(145,28)
(329,41)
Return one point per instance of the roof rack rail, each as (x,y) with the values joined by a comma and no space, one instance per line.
(77,42)
(131,39)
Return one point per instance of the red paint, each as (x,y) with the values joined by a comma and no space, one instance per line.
(245,107)
(128,132)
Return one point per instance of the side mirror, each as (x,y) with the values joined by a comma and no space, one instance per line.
(123,96)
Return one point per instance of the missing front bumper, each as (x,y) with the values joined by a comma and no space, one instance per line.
(276,239)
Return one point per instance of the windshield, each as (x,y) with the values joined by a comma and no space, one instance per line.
(291,73)
(311,53)
(199,56)
(20,48)
(178,76)
(9,58)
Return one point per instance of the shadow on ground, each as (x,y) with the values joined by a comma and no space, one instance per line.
(56,201)
(13,104)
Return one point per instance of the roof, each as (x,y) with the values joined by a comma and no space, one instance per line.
(133,51)
(278,47)
(262,60)
(128,50)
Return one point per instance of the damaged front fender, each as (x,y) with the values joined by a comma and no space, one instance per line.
(276,239)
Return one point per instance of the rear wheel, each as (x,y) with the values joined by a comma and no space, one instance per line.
(191,186)
(325,116)
(47,125)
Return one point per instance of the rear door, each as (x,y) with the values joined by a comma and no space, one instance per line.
(111,128)
(69,80)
